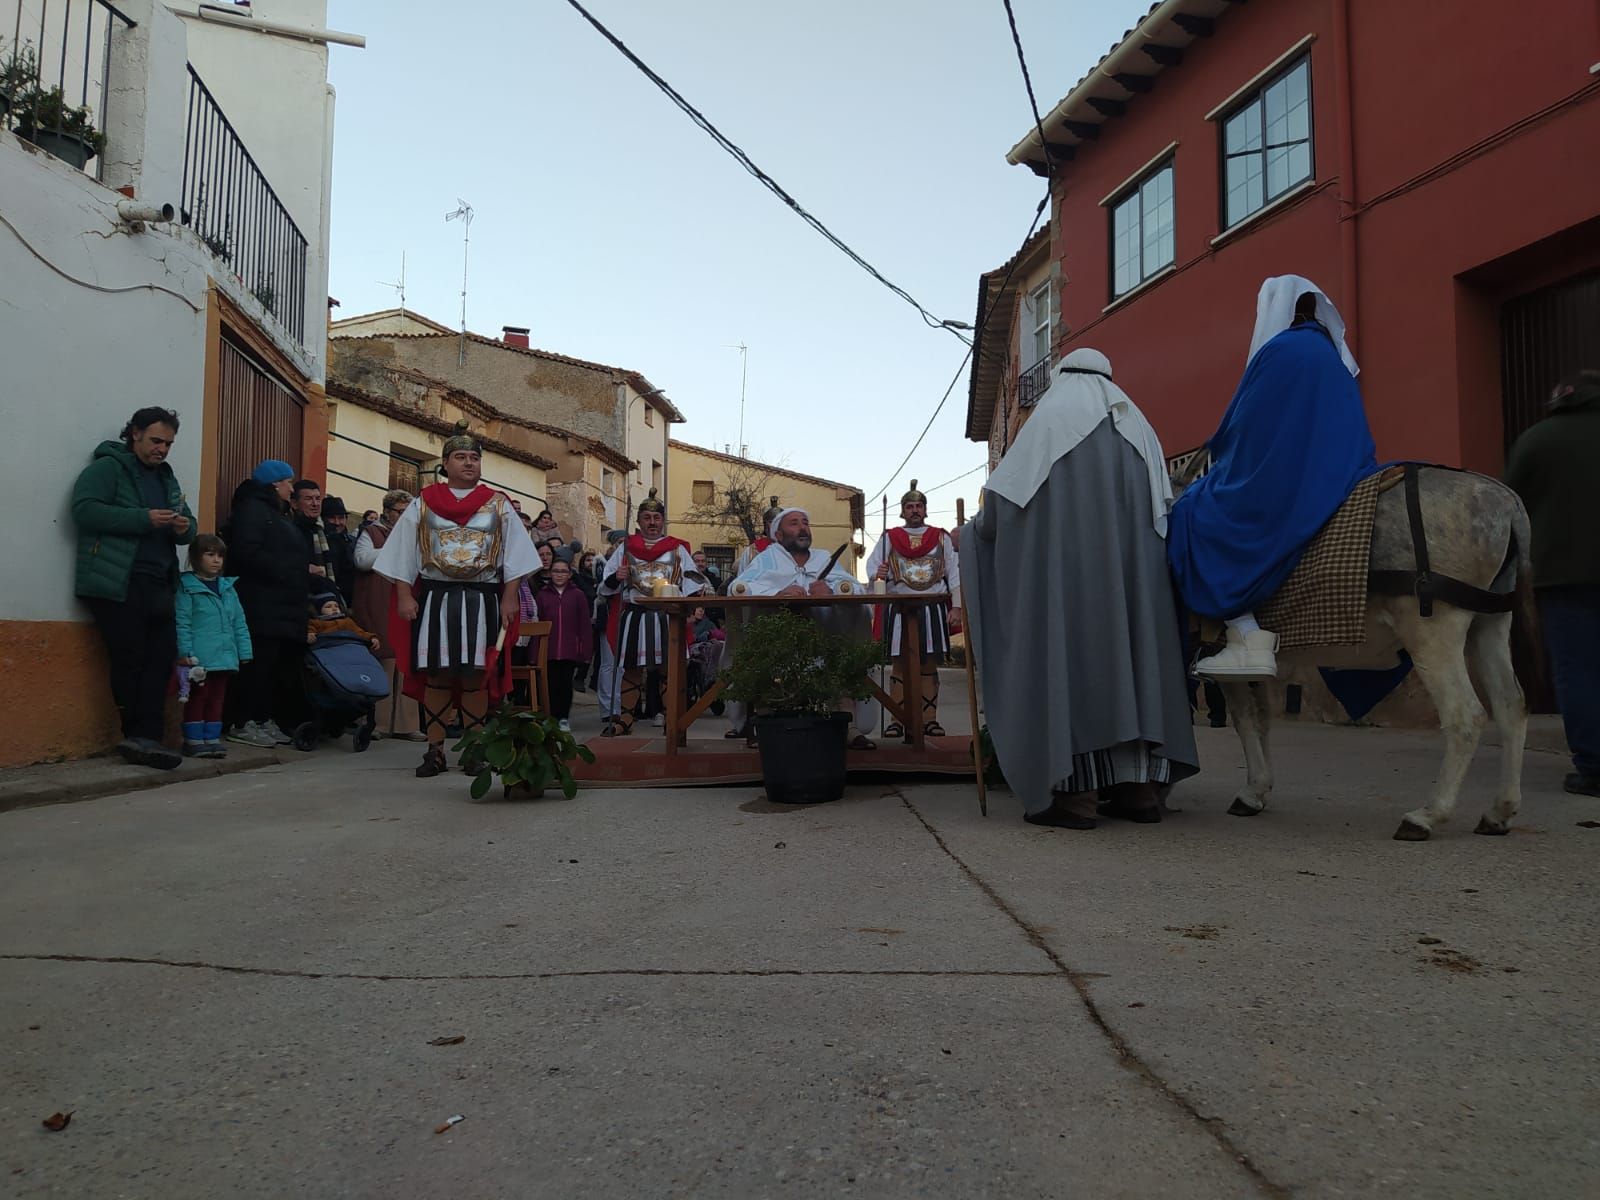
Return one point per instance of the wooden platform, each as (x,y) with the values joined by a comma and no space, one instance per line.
(641,760)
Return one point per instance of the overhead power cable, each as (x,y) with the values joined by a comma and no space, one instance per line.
(772,185)
(1027,81)
(983,466)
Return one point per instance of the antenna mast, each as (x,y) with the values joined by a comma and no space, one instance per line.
(744,371)
(399,287)
(464,213)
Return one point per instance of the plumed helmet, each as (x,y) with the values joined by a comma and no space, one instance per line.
(771,512)
(912,496)
(652,503)
(462,439)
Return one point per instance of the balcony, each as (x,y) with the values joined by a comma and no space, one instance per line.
(1032,383)
(55,75)
(229,204)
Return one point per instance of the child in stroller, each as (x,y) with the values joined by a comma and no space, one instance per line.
(344,682)
(705,657)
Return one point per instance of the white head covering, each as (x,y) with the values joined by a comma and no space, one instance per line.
(772,530)
(1079,398)
(1275,313)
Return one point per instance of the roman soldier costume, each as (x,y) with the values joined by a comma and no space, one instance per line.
(456,548)
(921,559)
(643,566)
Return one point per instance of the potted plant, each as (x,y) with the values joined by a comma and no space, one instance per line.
(794,673)
(528,751)
(44,118)
(19,72)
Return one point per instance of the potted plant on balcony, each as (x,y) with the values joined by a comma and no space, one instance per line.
(44,118)
(528,751)
(19,71)
(793,674)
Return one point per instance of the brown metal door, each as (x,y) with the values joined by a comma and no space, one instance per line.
(1544,335)
(259,417)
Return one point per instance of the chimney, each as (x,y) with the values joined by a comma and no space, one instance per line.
(514,335)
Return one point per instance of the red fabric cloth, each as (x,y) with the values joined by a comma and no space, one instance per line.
(900,539)
(760,544)
(638,549)
(440,499)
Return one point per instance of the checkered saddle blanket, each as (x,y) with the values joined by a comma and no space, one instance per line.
(1324,600)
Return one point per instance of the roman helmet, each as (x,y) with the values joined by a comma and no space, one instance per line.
(652,503)
(771,514)
(912,496)
(462,439)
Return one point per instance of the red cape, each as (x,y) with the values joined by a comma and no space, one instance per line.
(901,541)
(636,549)
(496,662)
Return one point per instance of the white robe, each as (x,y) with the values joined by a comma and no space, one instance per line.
(693,583)
(775,569)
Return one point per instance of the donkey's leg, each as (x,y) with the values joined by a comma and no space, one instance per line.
(1438,646)
(1252,716)
(1489,656)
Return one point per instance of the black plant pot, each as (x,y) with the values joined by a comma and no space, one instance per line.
(69,148)
(802,758)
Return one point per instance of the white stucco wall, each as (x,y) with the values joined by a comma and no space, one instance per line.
(95,322)
(645,442)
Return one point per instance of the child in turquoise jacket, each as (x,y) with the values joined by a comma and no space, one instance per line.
(213,641)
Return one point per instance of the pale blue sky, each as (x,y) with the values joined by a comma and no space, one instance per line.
(617,231)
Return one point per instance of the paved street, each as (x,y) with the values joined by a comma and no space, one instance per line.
(233,983)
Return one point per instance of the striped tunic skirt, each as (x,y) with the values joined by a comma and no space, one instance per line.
(1127,762)
(641,638)
(456,626)
(935,630)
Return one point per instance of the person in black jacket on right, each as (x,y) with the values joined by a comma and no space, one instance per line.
(273,562)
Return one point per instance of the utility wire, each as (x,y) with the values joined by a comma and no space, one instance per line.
(1027,81)
(763,178)
(983,466)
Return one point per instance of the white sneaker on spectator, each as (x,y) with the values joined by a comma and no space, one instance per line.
(278,736)
(251,734)
(660,720)
(564,725)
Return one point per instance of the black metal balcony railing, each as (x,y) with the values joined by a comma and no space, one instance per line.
(55,74)
(1031,384)
(228,202)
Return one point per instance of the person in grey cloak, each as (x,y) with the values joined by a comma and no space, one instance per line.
(1071,611)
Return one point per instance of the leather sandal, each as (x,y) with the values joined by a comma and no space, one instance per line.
(433,763)
(862,742)
(894,729)
(933,729)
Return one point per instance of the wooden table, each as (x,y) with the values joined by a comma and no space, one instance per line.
(680,716)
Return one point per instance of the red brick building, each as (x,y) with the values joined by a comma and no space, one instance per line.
(1434,167)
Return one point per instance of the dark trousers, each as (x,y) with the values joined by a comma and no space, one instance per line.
(561,674)
(206,698)
(269,685)
(141,637)
(1571,620)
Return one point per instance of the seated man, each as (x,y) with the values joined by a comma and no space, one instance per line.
(1291,447)
(790,567)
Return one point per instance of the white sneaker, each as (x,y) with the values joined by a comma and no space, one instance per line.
(661,720)
(278,736)
(251,734)
(1249,656)
(564,725)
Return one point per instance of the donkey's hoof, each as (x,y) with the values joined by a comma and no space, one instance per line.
(1243,808)
(1410,831)
(1491,828)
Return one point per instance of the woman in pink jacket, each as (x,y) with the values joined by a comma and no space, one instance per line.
(565,605)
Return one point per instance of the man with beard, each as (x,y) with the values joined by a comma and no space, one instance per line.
(915,559)
(641,566)
(790,567)
(456,556)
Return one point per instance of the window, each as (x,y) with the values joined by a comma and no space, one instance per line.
(608,482)
(405,469)
(1039,306)
(1266,144)
(649,415)
(720,557)
(704,491)
(1142,241)
(655,477)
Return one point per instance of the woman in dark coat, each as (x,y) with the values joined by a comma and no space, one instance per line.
(272,561)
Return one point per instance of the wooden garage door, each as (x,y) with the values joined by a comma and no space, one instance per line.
(259,417)
(1546,334)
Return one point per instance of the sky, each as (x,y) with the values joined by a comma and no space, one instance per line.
(617,231)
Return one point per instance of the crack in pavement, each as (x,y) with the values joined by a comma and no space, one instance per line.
(1079,980)
(491,977)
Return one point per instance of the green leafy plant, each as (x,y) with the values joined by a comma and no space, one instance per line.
(19,72)
(522,747)
(788,665)
(45,110)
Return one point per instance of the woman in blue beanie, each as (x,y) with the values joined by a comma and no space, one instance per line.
(272,561)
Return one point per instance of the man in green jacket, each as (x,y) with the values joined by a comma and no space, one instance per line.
(131,516)
(1552,467)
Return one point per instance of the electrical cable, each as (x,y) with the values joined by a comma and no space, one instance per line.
(96,287)
(983,466)
(1027,82)
(766,181)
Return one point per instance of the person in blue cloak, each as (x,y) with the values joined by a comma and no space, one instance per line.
(1291,447)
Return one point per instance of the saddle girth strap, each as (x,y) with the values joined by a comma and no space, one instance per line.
(1423,583)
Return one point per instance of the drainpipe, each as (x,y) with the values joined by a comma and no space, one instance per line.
(1348,263)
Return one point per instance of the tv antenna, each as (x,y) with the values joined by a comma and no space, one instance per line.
(463,212)
(744,371)
(400,286)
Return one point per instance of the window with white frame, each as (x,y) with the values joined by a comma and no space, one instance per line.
(1039,307)
(1142,230)
(1266,144)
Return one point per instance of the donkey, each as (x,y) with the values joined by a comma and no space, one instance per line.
(1477,531)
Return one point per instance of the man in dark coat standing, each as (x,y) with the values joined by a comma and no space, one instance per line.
(341,548)
(1552,467)
(131,516)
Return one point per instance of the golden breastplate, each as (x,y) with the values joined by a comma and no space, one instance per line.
(647,576)
(919,574)
(462,551)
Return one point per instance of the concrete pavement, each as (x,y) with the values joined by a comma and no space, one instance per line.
(235,982)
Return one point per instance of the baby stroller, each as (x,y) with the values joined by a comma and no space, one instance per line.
(344,683)
(705,660)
